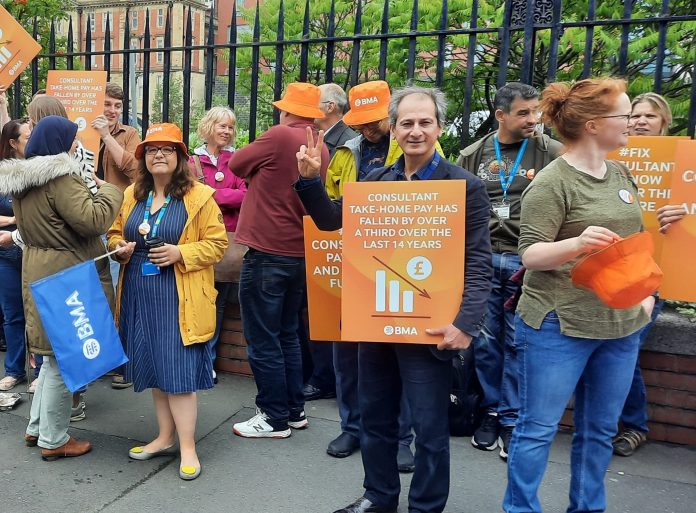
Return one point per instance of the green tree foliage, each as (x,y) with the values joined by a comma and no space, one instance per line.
(679,62)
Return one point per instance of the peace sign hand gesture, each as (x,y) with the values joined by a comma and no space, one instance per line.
(309,157)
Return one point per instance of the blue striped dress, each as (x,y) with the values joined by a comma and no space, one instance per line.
(149,317)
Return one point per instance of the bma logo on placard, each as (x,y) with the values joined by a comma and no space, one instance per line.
(400,330)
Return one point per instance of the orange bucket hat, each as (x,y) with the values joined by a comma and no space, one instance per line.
(162,132)
(622,274)
(368,102)
(301,99)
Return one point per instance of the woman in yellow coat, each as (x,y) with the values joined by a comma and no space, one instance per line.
(170,233)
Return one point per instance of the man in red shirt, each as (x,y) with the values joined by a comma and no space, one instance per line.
(272,279)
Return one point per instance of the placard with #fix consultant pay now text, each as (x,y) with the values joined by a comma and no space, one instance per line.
(403,259)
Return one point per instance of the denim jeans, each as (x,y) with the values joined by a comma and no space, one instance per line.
(494,348)
(345,359)
(228,292)
(635,410)
(270,297)
(50,408)
(12,307)
(552,367)
(389,372)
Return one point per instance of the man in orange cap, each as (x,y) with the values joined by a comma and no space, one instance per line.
(272,278)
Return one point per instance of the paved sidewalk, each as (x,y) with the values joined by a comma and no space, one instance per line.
(277,476)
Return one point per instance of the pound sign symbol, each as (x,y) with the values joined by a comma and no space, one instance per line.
(418,269)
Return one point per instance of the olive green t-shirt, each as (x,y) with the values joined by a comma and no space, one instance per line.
(559,204)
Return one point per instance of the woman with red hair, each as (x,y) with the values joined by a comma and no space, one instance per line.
(569,341)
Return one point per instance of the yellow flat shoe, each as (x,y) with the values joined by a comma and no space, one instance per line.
(189,473)
(138,453)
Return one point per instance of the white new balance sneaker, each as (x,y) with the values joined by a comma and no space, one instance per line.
(257,427)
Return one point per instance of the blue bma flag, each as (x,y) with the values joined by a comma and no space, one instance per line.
(77,319)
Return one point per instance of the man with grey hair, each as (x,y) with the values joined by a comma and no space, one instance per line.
(506,160)
(334,104)
(421,373)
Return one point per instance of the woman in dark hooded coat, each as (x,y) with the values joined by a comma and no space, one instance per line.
(61,223)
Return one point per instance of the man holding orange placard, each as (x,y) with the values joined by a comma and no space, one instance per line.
(419,371)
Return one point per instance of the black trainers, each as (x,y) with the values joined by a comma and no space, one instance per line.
(628,442)
(486,436)
(298,420)
(504,441)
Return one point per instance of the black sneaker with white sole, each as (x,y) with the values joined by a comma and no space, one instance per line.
(486,436)
(298,420)
(504,441)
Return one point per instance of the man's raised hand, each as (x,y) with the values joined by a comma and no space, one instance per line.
(309,157)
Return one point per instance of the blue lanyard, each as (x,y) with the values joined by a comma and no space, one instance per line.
(505,183)
(146,217)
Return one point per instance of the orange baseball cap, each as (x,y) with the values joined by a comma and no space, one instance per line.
(622,274)
(162,132)
(301,99)
(368,102)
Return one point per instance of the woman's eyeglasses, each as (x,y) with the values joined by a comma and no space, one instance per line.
(151,151)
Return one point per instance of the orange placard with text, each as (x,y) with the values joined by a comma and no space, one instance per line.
(82,94)
(17,48)
(403,259)
(323,268)
(650,159)
(679,243)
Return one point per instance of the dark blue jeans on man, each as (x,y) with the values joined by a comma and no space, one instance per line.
(635,411)
(12,307)
(494,348)
(553,366)
(270,297)
(345,362)
(386,372)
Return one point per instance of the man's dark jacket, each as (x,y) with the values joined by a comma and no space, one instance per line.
(338,135)
(328,215)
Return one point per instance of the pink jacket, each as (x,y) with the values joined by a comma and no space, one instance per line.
(230,190)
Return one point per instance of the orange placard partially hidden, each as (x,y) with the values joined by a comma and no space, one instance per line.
(323,268)
(679,243)
(17,48)
(650,159)
(82,94)
(403,259)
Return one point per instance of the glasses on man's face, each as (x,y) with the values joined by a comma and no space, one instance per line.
(368,127)
(625,117)
(151,151)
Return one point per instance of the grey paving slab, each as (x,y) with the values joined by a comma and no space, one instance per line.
(278,476)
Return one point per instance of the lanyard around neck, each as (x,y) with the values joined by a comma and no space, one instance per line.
(146,216)
(506,182)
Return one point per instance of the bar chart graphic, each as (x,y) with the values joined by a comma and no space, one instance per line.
(390,299)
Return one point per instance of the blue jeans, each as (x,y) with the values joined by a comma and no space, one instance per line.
(270,297)
(389,372)
(12,307)
(552,367)
(345,360)
(635,410)
(494,348)
(228,292)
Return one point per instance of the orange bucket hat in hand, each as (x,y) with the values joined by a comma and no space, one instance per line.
(622,274)
(301,99)
(369,102)
(162,132)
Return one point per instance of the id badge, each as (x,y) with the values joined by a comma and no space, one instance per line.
(149,269)
(501,210)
